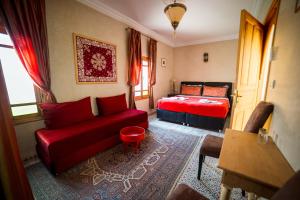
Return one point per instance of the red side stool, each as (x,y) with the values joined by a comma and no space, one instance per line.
(132,135)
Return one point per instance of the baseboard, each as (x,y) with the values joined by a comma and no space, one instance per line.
(31,160)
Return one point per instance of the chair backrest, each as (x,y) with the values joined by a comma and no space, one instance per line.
(259,116)
(290,190)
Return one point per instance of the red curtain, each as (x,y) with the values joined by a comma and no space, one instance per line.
(25,22)
(135,64)
(2,29)
(152,70)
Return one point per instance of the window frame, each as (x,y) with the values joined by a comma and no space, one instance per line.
(141,97)
(20,119)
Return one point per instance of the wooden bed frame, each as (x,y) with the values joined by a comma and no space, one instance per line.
(210,123)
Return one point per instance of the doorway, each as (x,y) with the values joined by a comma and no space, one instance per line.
(253,66)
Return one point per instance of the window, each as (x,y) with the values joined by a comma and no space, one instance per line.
(141,90)
(18,83)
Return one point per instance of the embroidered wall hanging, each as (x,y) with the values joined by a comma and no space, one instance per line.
(95,60)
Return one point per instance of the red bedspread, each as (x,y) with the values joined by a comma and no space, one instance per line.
(203,106)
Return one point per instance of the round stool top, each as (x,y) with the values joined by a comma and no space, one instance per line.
(132,134)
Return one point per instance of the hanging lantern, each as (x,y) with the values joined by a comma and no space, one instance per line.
(175,12)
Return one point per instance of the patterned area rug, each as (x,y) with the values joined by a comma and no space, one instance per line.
(150,174)
(210,181)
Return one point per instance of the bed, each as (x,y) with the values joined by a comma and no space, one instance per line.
(207,112)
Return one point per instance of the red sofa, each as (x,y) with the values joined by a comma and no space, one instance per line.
(62,147)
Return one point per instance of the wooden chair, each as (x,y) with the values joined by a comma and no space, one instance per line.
(212,145)
(289,191)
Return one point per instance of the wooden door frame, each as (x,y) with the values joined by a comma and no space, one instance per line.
(270,19)
(241,42)
(272,13)
(13,180)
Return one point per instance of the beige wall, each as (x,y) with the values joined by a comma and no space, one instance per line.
(221,66)
(78,18)
(26,139)
(285,70)
(66,17)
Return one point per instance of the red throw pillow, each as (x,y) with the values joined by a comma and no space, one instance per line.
(59,115)
(215,91)
(191,90)
(111,105)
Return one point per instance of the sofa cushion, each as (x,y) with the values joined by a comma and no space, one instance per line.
(65,141)
(59,115)
(111,105)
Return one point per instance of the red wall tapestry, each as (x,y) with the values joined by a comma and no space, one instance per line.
(95,60)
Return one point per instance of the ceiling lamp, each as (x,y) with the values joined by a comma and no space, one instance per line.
(175,12)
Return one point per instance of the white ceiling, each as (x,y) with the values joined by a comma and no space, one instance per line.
(204,21)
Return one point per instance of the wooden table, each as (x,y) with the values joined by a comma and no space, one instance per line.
(254,167)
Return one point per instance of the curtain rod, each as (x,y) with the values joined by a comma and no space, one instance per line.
(147,36)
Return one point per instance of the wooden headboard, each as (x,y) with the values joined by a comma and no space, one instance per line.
(214,84)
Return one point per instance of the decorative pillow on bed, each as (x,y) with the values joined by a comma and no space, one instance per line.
(191,89)
(59,115)
(111,105)
(215,91)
